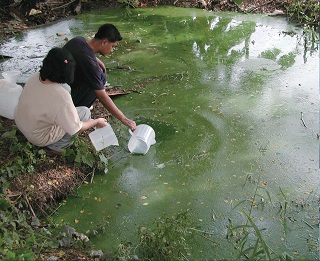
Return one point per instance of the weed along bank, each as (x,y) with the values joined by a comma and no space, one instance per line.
(231,99)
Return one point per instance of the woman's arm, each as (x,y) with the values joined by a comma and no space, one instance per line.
(99,123)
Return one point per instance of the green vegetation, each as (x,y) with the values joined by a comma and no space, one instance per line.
(22,235)
(304,12)
(165,240)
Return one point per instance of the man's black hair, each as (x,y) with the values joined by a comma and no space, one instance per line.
(109,32)
(58,66)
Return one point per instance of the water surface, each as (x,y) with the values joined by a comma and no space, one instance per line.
(234,103)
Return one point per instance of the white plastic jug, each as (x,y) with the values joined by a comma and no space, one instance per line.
(9,94)
(11,76)
(103,137)
(141,140)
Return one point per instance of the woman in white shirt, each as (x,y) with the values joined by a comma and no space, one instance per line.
(45,113)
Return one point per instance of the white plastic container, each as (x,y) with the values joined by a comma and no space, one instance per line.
(141,140)
(103,137)
(11,76)
(9,96)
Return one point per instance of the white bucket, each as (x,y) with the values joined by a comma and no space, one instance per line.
(141,140)
(103,137)
(11,76)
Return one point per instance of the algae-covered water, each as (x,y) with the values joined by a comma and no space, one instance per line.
(234,102)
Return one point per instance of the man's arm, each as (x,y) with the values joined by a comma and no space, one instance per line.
(113,109)
(101,65)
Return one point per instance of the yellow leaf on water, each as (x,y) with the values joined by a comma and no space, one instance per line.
(76,221)
(145,204)
(144,197)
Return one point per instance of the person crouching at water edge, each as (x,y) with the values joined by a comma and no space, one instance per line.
(45,113)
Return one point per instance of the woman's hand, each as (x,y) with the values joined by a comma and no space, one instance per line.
(101,122)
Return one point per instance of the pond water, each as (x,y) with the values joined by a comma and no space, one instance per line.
(234,102)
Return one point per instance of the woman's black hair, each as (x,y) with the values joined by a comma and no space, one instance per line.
(109,32)
(58,66)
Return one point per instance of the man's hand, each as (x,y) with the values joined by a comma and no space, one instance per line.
(130,123)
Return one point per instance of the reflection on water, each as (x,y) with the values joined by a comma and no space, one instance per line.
(224,93)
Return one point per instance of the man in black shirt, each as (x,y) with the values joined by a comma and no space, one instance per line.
(90,73)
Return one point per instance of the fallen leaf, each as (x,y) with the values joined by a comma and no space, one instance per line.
(97,199)
(145,204)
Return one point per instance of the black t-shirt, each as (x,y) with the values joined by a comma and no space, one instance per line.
(88,75)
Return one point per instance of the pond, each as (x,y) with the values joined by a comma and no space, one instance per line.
(233,100)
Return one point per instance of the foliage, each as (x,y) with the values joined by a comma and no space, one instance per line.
(23,157)
(259,249)
(20,237)
(238,1)
(249,238)
(82,155)
(17,237)
(305,12)
(166,240)
(128,3)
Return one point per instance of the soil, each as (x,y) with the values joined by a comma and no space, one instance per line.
(56,179)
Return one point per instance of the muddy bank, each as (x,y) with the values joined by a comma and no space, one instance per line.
(18,16)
